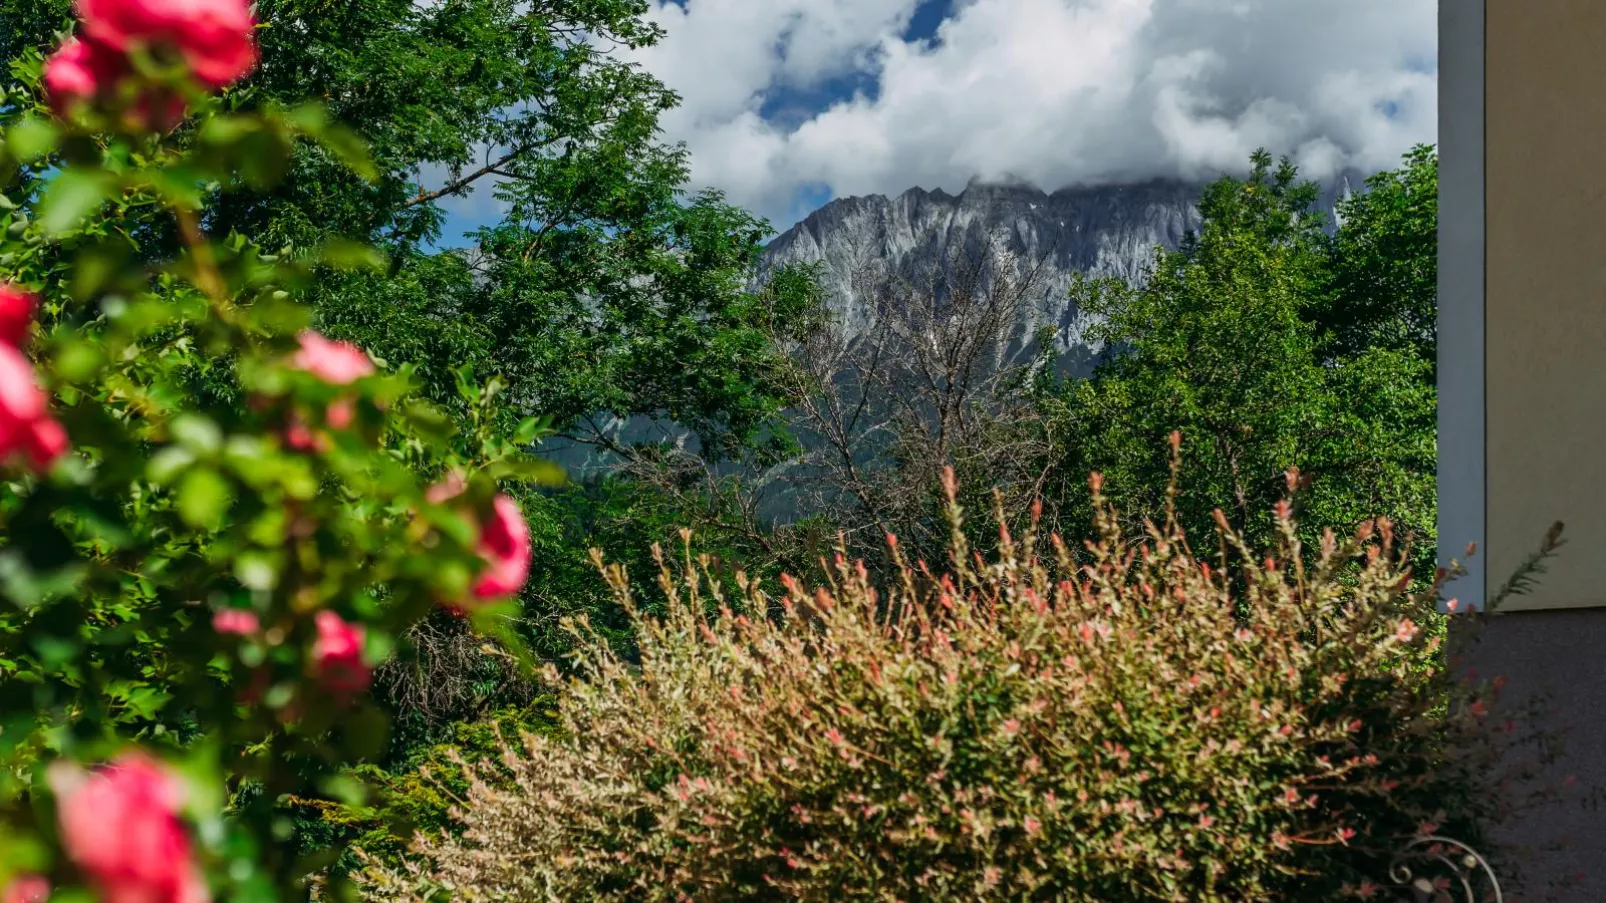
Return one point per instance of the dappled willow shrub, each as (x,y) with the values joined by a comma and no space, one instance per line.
(1120,723)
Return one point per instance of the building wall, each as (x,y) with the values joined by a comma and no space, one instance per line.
(1522,367)
(1545,323)
(1555,672)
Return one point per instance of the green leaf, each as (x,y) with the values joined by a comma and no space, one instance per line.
(463,376)
(168,463)
(309,118)
(78,360)
(97,268)
(198,434)
(529,430)
(349,149)
(203,497)
(532,470)
(226,131)
(350,255)
(428,420)
(72,195)
(54,651)
(256,570)
(264,159)
(31,139)
(366,731)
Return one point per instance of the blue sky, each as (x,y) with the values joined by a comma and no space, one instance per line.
(789,103)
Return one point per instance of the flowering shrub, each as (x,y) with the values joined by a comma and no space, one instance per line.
(1129,723)
(214,520)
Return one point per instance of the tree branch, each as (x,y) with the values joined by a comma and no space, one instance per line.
(459,184)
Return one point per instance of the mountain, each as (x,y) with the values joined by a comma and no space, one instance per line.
(1099,231)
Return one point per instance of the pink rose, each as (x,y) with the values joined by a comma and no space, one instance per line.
(450,487)
(300,437)
(505,545)
(235,622)
(16,314)
(121,825)
(25,423)
(338,654)
(26,889)
(341,413)
(86,71)
(333,362)
(80,70)
(504,542)
(214,37)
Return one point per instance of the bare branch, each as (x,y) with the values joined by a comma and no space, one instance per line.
(464,181)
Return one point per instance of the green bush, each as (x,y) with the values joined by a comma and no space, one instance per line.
(1128,722)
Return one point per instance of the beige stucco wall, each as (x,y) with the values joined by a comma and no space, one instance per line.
(1546,293)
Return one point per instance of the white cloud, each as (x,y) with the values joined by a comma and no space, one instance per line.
(1055,91)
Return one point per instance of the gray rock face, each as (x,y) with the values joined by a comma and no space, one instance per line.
(1099,231)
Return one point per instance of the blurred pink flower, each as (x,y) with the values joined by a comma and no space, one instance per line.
(236,622)
(214,37)
(16,314)
(25,423)
(505,545)
(84,70)
(333,362)
(26,889)
(300,437)
(121,825)
(340,414)
(450,487)
(338,653)
(504,541)
(80,70)
(1407,631)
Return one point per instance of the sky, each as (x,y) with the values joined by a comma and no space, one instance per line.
(787,104)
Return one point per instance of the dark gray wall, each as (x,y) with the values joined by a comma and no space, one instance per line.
(1562,655)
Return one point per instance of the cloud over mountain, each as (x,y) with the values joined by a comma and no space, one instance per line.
(786,101)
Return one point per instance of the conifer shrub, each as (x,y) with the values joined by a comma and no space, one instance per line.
(415,794)
(1132,720)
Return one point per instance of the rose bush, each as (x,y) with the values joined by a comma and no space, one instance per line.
(214,519)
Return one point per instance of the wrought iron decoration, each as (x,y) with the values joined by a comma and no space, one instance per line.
(1440,870)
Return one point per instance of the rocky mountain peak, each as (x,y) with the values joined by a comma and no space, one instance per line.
(1106,230)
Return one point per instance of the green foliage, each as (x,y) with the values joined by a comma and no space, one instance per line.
(598,288)
(425,85)
(1271,345)
(653,320)
(1134,724)
(1384,265)
(417,795)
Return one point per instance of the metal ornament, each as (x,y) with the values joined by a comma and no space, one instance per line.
(1440,870)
